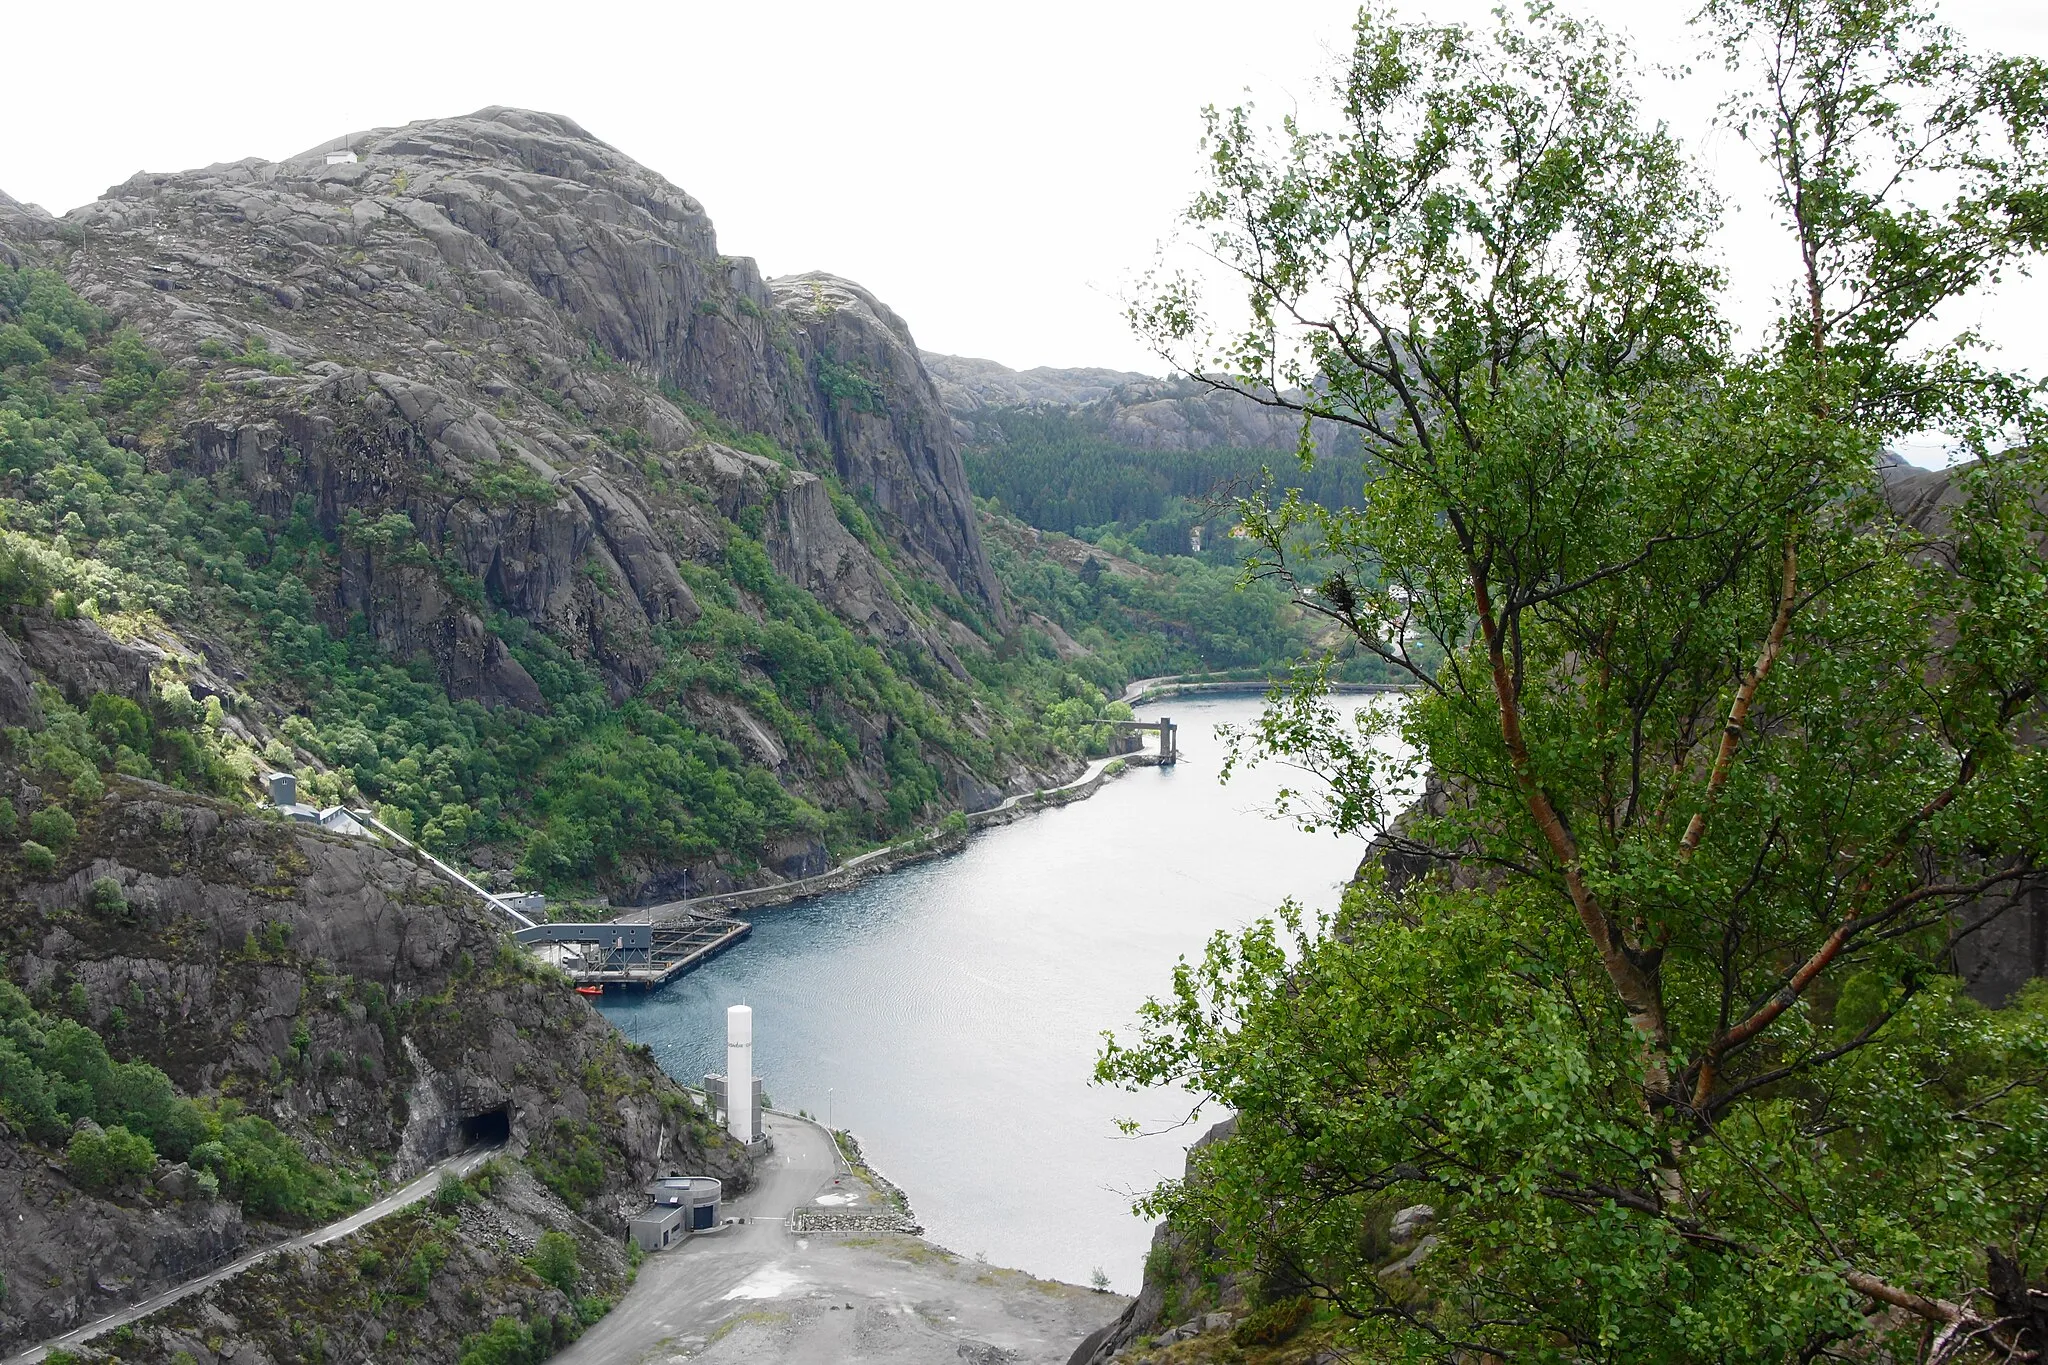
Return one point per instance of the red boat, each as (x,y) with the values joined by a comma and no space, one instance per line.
(590,990)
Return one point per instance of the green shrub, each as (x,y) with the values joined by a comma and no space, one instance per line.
(110,1158)
(10,823)
(118,723)
(420,1270)
(106,897)
(1274,1323)
(571,1161)
(53,825)
(508,1342)
(451,1194)
(36,860)
(554,1260)
(269,1175)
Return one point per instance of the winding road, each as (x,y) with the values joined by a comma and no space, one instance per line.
(404,1196)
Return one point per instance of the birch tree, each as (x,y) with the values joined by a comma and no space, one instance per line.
(1729,755)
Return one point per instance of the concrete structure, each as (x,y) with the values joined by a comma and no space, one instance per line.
(601,941)
(283,790)
(677,1205)
(742,1115)
(532,904)
(743,1121)
(627,953)
(715,1102)
(1169,735)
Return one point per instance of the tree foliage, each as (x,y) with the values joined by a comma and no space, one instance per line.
(554,1260)
(1728,756)
(56,1072)
(1054,471)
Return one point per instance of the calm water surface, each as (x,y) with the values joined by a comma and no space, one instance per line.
(950,1013)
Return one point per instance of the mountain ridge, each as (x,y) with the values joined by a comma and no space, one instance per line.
(506,382)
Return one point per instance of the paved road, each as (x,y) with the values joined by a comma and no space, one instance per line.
(680,1290)
(755,1294)
(403,1197)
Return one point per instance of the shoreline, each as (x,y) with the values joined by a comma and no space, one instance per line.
(1145,691)
(940,843)
(937,843)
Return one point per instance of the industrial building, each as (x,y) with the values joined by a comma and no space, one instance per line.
(678,1205)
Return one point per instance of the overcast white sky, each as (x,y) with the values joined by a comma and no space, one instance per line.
(997,173)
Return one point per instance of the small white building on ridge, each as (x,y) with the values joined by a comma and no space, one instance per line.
(284,796)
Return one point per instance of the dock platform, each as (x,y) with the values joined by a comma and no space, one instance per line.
(641,957)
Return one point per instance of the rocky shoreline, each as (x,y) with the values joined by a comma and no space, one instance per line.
(936,843)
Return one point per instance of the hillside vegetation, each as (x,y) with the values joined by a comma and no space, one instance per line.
(1056,469)
(595,635)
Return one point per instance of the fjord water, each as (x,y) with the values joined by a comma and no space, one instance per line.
(950,1013)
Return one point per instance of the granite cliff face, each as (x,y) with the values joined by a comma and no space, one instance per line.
(503,293)
(508,376)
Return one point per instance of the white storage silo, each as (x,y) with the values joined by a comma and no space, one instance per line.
(739,1072)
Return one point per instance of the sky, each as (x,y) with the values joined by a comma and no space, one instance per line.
(999,174)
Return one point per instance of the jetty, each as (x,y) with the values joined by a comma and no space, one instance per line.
(624,954)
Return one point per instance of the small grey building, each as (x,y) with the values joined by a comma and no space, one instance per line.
(678,1205)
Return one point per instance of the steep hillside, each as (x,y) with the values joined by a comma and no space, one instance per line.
(473,479)
(216,1026)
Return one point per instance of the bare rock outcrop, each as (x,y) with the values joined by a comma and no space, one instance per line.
(1141,411)
(888,433)
(325,984)
(967,384)
(479,308)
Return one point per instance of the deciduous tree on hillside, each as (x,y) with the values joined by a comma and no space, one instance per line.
(1729,756)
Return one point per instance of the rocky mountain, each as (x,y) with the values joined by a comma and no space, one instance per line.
(490,289)
(967,385)
(1140,411)
(508,379)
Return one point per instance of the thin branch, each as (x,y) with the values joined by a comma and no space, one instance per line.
(1731,733)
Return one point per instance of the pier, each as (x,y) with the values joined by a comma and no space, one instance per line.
(634,956)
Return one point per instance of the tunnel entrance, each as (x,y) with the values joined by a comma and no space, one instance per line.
(487,1129)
